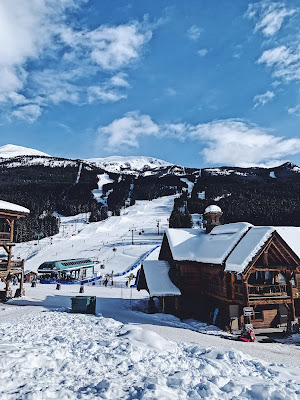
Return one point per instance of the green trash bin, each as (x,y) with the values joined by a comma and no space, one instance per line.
(84,304)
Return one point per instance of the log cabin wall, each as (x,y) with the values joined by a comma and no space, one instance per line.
(201,279)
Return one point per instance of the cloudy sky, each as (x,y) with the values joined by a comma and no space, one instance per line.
(196,82)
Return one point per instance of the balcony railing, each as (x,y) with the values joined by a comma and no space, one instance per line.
(279,289)
(4,237)
(13,265)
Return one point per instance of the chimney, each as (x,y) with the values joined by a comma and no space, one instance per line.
(212,215)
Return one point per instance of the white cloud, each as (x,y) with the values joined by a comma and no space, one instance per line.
(223,142)
(103,94)
(119,80)
(36,33)
(171,92)
(127,130)
(284,61)
(237,142)
(194,32)
(202,52)
(269,15)
(28,112)
(279,56)
(262,99)
(295,110)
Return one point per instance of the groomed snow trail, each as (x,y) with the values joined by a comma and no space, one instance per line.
(77,239)
(58,355)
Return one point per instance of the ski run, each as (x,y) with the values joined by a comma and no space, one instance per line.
(122,352)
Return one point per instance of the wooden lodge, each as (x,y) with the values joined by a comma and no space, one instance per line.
(10,269)
(229,267)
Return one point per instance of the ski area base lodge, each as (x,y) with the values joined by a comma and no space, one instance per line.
(214,274)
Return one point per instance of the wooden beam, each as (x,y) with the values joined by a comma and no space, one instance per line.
(268,301)
(225,299)
(248,269)
(4,214)
(266,258)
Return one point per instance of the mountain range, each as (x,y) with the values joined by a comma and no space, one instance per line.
(102,186)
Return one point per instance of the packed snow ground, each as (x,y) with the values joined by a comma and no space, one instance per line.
(77,239)
(50,353)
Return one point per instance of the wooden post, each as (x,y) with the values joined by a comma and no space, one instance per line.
(9,258)
(246,292)
(22,279)
(232,281)
(289,285)
(11,224)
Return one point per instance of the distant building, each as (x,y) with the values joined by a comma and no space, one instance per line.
(66,269)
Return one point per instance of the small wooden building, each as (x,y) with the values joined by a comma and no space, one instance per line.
(154,277)
(226,268)
(9,268)
(29,276)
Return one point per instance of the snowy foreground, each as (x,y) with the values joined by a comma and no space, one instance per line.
(49,353)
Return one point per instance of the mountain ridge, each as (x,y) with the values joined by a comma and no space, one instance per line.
(131,165)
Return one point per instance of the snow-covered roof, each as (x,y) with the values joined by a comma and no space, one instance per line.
(6,206)
(248,248)
(158,280)
(213,209)
(235,244)
(291,235)
(212,248)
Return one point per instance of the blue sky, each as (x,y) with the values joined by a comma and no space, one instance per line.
(196,83)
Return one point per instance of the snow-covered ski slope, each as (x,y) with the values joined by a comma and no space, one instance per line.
(97,240)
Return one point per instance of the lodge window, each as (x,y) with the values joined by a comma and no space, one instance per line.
(293,280)
(258,313)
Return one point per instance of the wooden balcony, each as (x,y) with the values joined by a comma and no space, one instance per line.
(14,267)
(279,289)
(259,294)
(5,237)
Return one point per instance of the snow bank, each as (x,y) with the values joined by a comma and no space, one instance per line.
(145,339)
(158,280)
(6,206)
(58,355)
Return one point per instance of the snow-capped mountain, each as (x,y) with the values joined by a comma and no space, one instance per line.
(119,164)
(11,151)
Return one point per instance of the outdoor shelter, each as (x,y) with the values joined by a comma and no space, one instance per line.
(9,268)
(62,269)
